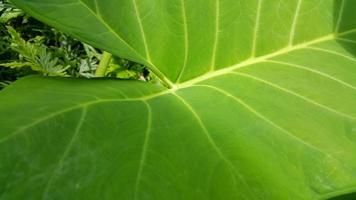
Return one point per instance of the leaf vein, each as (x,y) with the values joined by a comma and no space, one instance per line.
(256,28)
(255,112)
(313,71)
(332,52)
(65,153)
(144,149)
(294,94)
(212,142)
(142,31)
(294,23)
(216,34)
(186,41)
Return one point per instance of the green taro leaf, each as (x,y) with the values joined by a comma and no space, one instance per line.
(261,105)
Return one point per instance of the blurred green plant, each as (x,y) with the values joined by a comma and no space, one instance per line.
(8,11)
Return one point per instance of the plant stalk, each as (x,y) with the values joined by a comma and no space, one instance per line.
(103,65)
(167,83)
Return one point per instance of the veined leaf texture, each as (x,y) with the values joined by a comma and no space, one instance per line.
(261,104)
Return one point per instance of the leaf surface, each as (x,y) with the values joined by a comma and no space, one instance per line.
(262,105)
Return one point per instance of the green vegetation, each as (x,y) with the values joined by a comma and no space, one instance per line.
(250,100)
(28,46)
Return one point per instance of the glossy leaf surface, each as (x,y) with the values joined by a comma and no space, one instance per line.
(262,105)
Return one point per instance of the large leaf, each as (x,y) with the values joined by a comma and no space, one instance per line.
(262,104)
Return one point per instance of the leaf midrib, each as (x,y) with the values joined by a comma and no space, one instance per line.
(213,73)
(260,59)
(210,75)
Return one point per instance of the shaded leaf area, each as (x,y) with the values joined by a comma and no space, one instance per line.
(345,197)
(264,113)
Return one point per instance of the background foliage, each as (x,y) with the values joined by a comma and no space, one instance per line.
(28,46)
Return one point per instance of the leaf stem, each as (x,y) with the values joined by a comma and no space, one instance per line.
(166,82)
(106,59)
(103,65)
